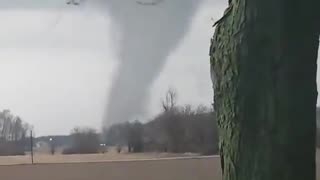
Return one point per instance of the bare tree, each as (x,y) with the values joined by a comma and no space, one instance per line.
(170,100)
(177,129)
(85,140)
(12,134)
(187,110)
(135,137)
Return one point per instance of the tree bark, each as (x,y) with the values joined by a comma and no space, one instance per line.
(264,63)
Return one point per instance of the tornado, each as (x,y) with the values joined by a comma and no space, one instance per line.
(145,33)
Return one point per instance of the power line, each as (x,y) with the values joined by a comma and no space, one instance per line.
(31,146)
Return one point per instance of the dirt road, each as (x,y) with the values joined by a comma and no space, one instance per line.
(182,169)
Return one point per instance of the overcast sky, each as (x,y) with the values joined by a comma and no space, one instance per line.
(57,63)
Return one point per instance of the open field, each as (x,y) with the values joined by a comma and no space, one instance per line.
(186,168)
(41,158)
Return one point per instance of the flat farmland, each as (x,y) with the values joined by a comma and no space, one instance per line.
(119,167)
(45,158)
(174,169)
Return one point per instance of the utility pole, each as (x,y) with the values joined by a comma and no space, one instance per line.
(31,146)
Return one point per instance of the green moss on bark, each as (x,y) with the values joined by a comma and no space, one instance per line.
(264,69)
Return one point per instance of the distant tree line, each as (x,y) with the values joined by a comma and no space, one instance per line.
(59,140)
(177,129)
(13,134)
(84,141)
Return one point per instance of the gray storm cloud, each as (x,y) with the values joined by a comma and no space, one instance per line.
(147,32)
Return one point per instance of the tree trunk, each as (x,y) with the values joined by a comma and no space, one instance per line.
(263,62)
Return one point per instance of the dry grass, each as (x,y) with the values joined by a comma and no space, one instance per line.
(41,158)
(186,169)
(56,168)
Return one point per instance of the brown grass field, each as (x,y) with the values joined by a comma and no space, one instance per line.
(145,166)
(191,169)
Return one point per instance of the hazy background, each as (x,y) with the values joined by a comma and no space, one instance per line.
(57,63)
